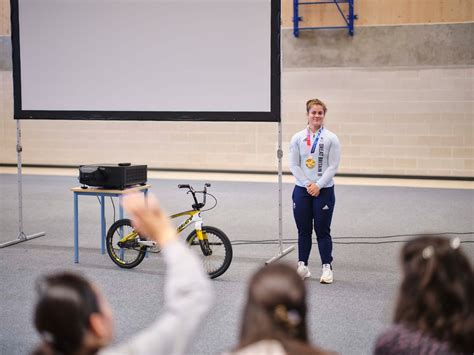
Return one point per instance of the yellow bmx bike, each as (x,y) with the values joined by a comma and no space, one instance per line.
(127,248)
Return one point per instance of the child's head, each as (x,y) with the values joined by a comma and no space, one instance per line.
(276,306)
(437,292)
(71,314)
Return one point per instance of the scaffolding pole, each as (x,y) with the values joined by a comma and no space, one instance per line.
(22,237)
(281,252)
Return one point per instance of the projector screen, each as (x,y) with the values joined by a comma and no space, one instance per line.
(213,60)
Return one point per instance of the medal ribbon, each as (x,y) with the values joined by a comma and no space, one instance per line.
(308,140)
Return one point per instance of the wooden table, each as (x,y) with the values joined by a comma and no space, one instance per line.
(101,194)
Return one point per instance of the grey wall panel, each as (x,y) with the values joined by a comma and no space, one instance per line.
(419,45)
(444,44)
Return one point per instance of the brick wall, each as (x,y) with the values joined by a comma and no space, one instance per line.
(389,121)
(401,121)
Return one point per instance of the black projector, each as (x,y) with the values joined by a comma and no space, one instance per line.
(111,176)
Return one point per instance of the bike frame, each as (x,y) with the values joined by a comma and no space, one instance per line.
(194,217)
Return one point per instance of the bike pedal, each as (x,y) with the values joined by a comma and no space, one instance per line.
(147,243)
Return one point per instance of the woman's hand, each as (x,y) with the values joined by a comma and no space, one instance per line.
(149,219)
(313,189)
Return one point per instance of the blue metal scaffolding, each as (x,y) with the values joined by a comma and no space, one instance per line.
(348,18)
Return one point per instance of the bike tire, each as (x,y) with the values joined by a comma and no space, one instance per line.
(221,258)
(126,258)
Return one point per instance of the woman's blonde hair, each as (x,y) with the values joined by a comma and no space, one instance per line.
(313,102)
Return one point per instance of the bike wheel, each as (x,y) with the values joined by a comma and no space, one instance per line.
(129,255)
(220,256)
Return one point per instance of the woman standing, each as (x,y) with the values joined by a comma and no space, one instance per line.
(314,158)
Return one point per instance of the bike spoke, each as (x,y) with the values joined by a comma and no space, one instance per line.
(126,254)
(216,259)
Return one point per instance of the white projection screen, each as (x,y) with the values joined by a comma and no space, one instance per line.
(212,60)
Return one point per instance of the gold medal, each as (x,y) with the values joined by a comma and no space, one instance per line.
(310,162)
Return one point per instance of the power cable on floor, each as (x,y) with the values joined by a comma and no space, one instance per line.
(294,240)
(375,242)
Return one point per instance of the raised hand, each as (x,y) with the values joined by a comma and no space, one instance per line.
(149,219)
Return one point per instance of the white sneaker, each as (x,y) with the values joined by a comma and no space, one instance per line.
(327,276)
(303,270)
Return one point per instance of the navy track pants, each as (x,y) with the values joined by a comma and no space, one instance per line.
(314,212)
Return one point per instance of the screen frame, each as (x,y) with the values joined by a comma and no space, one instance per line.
(274,115)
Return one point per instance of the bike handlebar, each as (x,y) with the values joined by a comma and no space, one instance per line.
(196,204)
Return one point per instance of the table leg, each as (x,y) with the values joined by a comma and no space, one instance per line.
(145,193)
(120,207)
(102,224)
(76,230)
(122,252)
